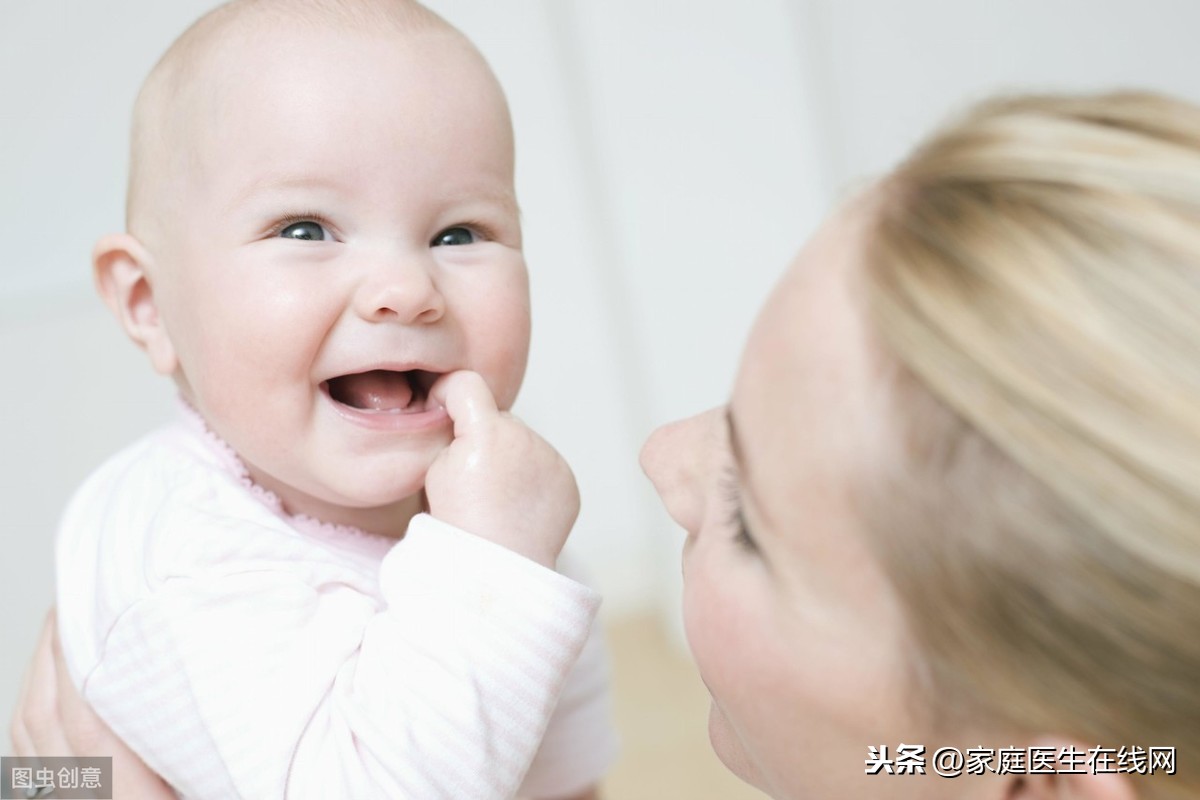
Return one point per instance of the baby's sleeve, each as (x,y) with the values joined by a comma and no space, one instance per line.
(580,744)
(271,681)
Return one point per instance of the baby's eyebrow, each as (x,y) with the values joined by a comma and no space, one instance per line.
(502,196)
(274,182)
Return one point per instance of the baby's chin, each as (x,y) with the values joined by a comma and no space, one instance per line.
(389,518)
(380,499)
(382,490)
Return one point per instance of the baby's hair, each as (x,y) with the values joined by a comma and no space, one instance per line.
(1033,277)
(177,81)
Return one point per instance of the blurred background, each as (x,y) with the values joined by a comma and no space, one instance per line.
(672,155)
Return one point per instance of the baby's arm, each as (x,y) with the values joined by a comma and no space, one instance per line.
(501,480)
(580,745)
(474,484)
(273,678)
(51,718)
(258,684)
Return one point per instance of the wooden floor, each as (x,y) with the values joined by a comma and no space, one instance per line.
(662,714)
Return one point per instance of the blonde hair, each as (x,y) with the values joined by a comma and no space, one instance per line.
(1033,279)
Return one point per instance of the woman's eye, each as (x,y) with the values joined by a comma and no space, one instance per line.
(742,535)
(306,231)
(454,236)
(736,520)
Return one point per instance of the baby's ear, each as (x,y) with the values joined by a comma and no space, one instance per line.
(121,266)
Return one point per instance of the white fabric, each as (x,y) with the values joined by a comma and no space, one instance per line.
(245,653)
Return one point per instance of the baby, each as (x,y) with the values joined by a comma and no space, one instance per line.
(324,253)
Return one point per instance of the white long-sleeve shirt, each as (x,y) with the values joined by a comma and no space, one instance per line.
(242,652)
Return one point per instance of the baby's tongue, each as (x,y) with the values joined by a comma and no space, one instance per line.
(379,390)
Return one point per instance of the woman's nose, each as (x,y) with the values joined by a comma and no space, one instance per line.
(676,458)
(402,291)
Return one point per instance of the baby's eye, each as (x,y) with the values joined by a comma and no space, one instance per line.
(454,236)
(306,231)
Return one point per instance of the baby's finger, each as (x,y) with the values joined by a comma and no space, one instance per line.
(466,398)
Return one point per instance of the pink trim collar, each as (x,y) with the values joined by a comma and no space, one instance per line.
(233,464)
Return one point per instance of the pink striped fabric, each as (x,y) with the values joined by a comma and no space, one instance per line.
(245,653)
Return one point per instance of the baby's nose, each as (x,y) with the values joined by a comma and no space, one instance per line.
(401,290)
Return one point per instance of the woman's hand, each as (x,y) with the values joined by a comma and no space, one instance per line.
(52,719)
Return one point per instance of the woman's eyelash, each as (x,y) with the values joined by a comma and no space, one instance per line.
(736,519)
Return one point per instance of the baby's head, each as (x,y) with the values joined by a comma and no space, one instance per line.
(321,221)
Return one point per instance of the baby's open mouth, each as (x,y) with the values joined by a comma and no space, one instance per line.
(383,391)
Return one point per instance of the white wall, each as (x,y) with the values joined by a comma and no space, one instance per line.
(671,156)
(891,70)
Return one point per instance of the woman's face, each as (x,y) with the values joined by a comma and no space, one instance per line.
(794,629)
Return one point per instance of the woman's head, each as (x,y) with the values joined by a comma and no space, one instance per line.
(1033,275)
(794,629)
(967,428)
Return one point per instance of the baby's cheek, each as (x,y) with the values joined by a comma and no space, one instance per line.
(504,359)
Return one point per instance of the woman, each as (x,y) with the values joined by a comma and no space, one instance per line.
(953,503)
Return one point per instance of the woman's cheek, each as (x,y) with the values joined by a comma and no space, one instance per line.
(715,621)
(728,747)
(713,617)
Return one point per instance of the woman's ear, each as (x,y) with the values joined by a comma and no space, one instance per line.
(121,267)
(1071,785)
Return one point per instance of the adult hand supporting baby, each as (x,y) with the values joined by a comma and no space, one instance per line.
(52,719)
(498,479)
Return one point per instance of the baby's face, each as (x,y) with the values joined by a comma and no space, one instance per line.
(346,231)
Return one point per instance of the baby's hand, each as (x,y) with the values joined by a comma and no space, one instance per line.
(498,479)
